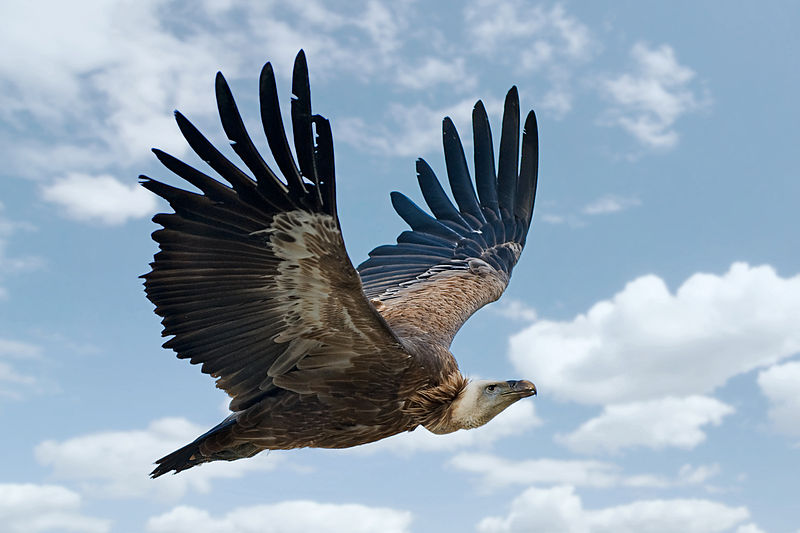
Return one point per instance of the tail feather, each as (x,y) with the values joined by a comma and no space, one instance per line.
(190,455)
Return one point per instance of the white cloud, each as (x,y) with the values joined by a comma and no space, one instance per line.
(646,342)
(284,517)
(650,101)
(780,384)
(10,264)
(116,464)
(12,379)
(665,422)
(98,92)
(551,34)
(18,349)
(697,474)
(610,203)
(514,309)
(515,420)
(29,508)
(102,198)
(499,472)
(532,39)
(560,510)
(749,528)
(413,130)
(433,71)
(571,220)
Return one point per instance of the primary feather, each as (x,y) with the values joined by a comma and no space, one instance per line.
(253,283)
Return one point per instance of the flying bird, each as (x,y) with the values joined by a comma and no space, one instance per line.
(254,284)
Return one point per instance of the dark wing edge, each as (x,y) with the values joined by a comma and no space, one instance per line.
(252,278)
(460,257)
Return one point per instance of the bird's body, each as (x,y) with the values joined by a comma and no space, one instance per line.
(254,283)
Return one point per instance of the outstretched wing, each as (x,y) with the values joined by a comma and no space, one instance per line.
(253,280)
(453,263)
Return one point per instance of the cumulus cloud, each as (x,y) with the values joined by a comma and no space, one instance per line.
(647,343)
(648,102)
(284,517)
(560,510)
(780,384)
(498,472)
(100,198)
(610,203)
(515,420)
(665,422)
(115,464)
(30,508)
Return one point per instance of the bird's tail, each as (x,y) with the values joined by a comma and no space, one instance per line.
(190,455)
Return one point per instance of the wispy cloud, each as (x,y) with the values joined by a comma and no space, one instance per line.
(432,71)
(604,205)
(499,472)
(13,355)
(413,130)
(514,309)
(550,32)
(10,263)
(99,198)
(610,203)
(533,39)
(649,101)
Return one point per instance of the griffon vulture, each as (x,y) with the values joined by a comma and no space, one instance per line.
(254,283)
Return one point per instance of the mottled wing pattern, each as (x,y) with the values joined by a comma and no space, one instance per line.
(253,281)
(451,264)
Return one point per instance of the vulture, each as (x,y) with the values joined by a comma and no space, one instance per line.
(253,282)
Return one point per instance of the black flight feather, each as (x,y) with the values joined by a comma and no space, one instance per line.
(302,124)
(435,197)
(457,172)
(243,145)
(490,225)
(509,153)
(485,176)
(275,132)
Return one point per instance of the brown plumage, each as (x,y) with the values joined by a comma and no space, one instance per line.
(254,284)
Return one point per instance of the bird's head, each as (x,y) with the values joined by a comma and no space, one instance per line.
(482,400)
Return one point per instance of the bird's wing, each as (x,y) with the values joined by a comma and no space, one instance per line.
(451,264)
(253,280)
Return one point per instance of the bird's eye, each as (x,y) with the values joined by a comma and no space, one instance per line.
(491,388)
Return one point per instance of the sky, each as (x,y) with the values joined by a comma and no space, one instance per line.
(655,306)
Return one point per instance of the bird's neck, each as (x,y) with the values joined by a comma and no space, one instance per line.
(462,413)
(433,408)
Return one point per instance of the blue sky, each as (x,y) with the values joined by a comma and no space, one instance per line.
(655,305)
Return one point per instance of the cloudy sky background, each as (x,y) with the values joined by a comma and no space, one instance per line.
(656,305)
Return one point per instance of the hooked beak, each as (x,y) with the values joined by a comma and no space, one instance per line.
(522,388)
